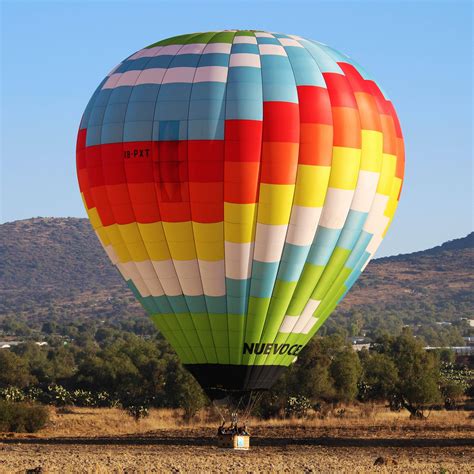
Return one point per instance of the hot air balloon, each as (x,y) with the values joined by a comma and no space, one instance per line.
(240,181)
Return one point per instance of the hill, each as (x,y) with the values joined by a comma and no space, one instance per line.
(55,269)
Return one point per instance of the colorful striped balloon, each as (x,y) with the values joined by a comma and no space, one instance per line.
(240,181)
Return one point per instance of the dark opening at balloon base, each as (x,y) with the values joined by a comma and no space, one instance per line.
(218,380)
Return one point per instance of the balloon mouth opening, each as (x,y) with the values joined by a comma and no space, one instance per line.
(220,380)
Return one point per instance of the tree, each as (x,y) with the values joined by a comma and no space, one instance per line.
(14,370)
(379,376)
(327,370)
(345,370)
(183,391)
(418,372)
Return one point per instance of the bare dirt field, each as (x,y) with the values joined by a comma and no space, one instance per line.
(102,441)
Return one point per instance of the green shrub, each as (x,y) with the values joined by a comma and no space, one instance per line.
(22,417)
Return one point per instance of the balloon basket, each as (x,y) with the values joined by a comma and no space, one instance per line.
(234,441)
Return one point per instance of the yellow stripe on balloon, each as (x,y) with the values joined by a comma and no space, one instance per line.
(372,147)
(344,167)
(387,174)
(311,185)
(275,202)
(103,236)
(180,238)
(392,202)
(240,221)
(209,240)
(154,239)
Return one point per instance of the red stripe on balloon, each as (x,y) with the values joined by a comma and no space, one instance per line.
(281,122)
(314,105)
(340,91)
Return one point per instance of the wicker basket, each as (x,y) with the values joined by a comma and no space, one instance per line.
(234,441)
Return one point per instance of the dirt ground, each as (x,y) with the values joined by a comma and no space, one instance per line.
(103,441)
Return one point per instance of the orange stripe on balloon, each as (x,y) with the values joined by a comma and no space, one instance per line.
(279,163)
(315,144)
(369,114)
(389,135)
(241,182)
(346,127)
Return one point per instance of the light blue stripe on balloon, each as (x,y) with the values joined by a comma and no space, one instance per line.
(236,287)
(325,62)
(175,92)
(206,129)
(138,111)
(359,249)
(206,109)
(112,133)
(237,305)
(103,97)
(323,245)
(263,278)
(159,62)
(152,304)
(245,48)
(145,93)
(216,304)
(162,303)
(335,55)
(97,116)
(352,228)
(132,65)
(304,67)
(357,269)
(278,79)
(263,40)
(243,110)
(292,261)
(245,91)
(208,90)
(115,113)
(280,93)
(237,295)
(185,60)
(120,94)
(178,304)
(172,110)
(196,304)
(149,305)
(214,59)
(137,131)
(166,130)
(93,135)
(90,105)
(244,74)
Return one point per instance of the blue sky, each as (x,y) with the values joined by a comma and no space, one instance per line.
(55,54)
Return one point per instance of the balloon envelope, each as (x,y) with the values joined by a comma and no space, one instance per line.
(240,181)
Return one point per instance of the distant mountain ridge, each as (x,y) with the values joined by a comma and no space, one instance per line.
(461,243)
(58,263)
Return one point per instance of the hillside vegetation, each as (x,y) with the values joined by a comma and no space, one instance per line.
(54,270)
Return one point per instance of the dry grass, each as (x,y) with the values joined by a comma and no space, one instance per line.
(376,422)
(108,440)
(88,422)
